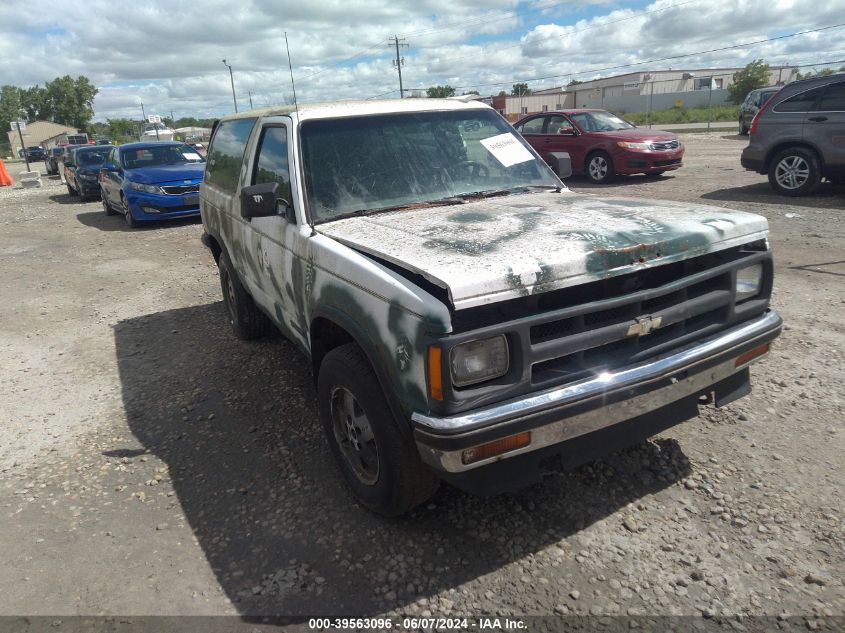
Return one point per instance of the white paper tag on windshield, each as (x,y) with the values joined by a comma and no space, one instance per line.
(507,149)
(191,156)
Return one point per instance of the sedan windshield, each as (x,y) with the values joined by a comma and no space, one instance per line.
(379,162)
(155,156)
(91,157)
(600,122)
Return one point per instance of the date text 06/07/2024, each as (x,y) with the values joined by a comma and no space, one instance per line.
(416,623)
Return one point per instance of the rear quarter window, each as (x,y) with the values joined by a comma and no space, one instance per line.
(802,102)
(226,154)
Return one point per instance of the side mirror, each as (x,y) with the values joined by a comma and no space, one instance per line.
(567,131)
(561,164)
(262,201)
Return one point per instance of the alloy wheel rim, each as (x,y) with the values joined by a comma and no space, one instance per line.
(598,168)
(354,435)
(792,172)
(230,295)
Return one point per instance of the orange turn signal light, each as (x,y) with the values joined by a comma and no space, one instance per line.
(435,372)
(751,354)
(498,447)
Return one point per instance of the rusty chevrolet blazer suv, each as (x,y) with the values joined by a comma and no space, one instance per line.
(467,317)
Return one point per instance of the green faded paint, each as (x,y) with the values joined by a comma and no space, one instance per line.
(470,217)
(400,361)
(444,239)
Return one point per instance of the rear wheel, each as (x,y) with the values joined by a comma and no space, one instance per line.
(247,321)
(106,206)
(380,464)
(599,168)
(794,172)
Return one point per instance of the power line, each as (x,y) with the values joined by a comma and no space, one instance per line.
(661,59)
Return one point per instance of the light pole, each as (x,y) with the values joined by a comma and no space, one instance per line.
(232,79)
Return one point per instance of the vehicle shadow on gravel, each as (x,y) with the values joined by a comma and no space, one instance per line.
(236,425)
(99,220)
(827,196)
(66,198)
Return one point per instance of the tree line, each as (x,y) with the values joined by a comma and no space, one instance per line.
(63,100)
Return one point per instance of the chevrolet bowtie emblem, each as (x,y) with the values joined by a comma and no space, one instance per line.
(644,325)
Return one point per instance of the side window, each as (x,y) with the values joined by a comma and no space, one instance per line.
(534,126)
(555,123)
(833,98)
(226,154)
(802,102)
(272,164)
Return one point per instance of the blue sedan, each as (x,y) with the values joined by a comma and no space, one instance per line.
(151,181)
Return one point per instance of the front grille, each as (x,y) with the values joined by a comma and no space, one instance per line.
(571,334)
(178,190)
(665,146)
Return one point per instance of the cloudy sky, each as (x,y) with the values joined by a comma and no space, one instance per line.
(167,53)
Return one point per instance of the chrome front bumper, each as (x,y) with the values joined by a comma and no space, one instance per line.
(596,403)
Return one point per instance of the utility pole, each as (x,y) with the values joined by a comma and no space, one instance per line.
(20,136)
(232,79)
(399,61)
(249,92)
(143,120)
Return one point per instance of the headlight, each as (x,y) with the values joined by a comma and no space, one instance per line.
(479,361)
(142,187)
(628,145)
(749,281)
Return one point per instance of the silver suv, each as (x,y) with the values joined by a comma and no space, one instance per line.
(796,137)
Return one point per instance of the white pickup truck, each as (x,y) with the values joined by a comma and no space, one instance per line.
(468,318)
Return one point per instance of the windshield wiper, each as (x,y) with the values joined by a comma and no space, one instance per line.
(440,202)
(491,193)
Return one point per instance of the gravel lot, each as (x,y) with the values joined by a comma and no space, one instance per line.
(150,463)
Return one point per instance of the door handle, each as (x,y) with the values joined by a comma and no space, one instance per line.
(817,119)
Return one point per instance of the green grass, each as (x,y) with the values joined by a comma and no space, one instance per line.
(682,115)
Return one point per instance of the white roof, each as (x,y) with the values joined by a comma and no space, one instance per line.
(332,109)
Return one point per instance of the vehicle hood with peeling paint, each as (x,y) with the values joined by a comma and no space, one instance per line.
(499,248)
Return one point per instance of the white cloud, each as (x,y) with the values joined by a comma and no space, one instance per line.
(167,54)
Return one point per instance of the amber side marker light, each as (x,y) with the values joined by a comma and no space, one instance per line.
(435,372)
(492,449)
(751,354)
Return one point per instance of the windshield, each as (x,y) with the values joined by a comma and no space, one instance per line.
(600,122)
(91,157)
(159,155)
(377,162)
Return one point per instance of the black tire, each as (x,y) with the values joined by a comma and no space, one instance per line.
(794,172)
(131,222)
(743,130)
(599,168)
(106,206)
(70,190)
(247,321)
(400,481)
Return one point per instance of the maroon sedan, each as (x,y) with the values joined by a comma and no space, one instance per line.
(601,144)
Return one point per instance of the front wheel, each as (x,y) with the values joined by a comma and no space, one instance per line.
(70,190)
(379,463)
(794,172)
(106,206)
(131,222)
(743,129)
(599,168)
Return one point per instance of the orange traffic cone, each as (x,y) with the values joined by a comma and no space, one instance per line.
(5,178)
